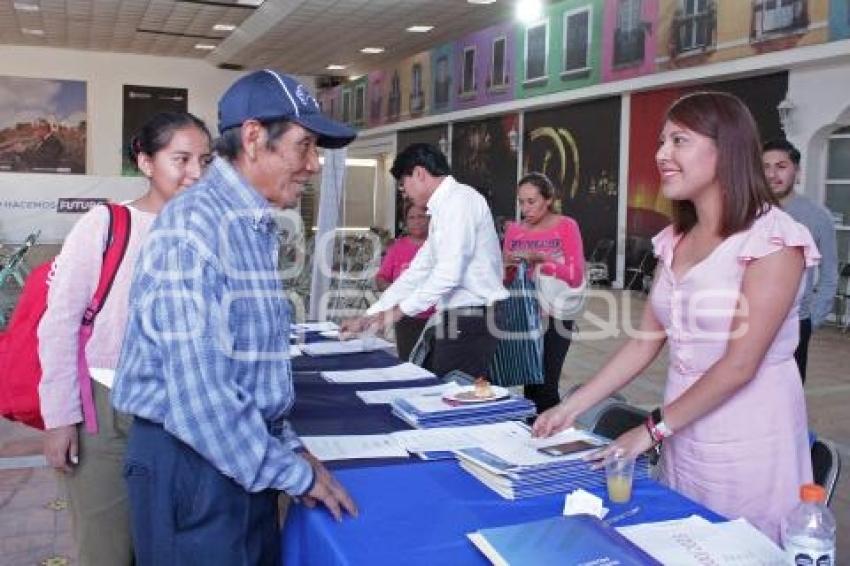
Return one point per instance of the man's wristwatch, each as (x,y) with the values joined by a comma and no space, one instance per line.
(656,426)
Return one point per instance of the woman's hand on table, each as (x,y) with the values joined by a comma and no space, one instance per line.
(553,420)
(632,443)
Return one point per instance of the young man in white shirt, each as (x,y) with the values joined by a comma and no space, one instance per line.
(458,269)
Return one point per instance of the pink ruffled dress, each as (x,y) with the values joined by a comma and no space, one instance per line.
(748,457)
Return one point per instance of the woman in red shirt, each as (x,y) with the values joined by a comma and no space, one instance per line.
(397,259)
(552,241)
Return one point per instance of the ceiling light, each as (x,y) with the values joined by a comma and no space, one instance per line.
(204,46)
(420,29)
(249,2)
(529,11)
(481,1)
(333,67)
(224,27)
(23,7)
(30,31)
(372,50)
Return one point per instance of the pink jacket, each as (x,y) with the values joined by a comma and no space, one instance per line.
(72,284)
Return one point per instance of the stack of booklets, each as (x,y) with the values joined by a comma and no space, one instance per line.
(429,411)
(529,467)
(336,347)
(578,539)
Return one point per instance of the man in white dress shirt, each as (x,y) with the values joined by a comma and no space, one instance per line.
(458,269)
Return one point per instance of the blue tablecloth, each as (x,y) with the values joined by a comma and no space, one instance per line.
(420,513)
(412,512)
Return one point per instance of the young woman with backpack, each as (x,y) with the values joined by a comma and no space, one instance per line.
(171,150)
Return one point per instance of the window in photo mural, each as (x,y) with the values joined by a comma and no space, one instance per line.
(442,82)
(432,135)
(417,92)
(394,97)
(577,36)
(693,25)
(376,98)
(499,70)
(536,52)
(42,125)
(771,17)
(577,147)
(360,104)
(484,156)
(141,103)
(629,34)
(468,82)
(346,105)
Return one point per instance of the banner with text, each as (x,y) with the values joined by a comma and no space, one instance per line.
(53,203)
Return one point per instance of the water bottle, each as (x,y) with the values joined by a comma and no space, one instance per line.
(808,532)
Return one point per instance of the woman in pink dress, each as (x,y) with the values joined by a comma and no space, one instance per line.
(725,300)
(396,261)
(552,241)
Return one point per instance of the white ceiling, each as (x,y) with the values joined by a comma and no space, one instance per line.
(297,36)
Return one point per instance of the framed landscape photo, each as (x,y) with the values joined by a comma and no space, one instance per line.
(43,125)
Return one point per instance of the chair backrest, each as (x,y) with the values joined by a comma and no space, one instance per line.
(826,466)
(601,250)
(617,418)
(421,351)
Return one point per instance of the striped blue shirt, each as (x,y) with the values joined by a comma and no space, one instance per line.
(206,351)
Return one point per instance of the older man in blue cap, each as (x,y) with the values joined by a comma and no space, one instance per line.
(205,368)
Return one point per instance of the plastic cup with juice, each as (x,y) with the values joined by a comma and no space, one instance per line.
(619,471)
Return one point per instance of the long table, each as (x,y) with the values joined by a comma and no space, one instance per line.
(414,512)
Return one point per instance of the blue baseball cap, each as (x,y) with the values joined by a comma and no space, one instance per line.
(269,95)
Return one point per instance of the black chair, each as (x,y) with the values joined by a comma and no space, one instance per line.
(597,264)
(640,278)
(617,418)
(826,466)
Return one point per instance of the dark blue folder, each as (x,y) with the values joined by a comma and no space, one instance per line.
(578,539)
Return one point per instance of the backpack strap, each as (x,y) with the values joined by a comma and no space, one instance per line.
(117,239)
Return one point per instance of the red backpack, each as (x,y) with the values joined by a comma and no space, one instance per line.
(20,370)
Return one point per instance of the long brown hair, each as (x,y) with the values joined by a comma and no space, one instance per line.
(746,193)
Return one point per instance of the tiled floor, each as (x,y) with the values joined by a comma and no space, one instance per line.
(34,526)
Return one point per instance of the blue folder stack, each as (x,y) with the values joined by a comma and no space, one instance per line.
(439,413)
(514,481)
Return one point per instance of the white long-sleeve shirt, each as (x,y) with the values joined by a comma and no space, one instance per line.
(459,265)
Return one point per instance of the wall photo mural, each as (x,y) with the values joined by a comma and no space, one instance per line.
(42,125)
(141,103)
(484,156)
(578,148)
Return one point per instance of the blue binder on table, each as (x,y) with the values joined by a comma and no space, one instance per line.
(576,540)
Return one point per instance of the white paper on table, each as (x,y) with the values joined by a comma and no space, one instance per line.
(402,372)
(696,541)
(386,396)
(346,347)
(323,326)
(352,447)
(457,437)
